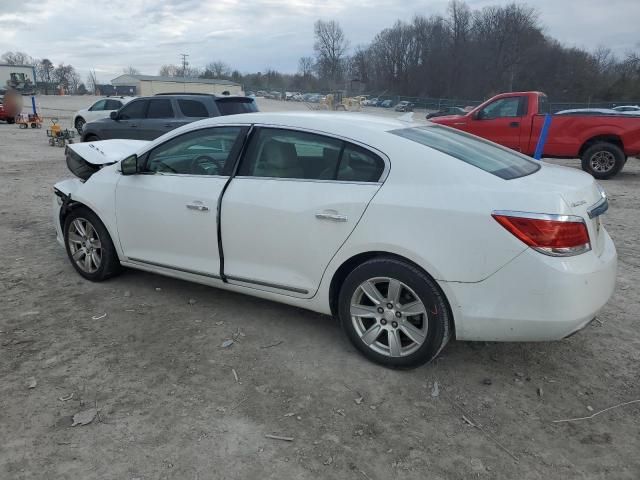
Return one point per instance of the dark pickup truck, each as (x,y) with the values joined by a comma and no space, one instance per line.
(147,118)
(603,142)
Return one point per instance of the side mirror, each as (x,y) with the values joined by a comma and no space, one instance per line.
(114,116)
(477,115)
(129,166)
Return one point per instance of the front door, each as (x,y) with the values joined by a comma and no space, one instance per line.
(296,199)
(500,121)
(167,214)
(128,122)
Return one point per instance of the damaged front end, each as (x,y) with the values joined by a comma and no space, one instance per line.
(85,159)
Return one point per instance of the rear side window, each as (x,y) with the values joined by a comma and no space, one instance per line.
(192,108)
(359,165)
(113,105)
(232,106)
(487,156)
(160,108)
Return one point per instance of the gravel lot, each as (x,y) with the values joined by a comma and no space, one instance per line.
(146,352)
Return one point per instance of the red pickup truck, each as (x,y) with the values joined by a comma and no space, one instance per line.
(603,142)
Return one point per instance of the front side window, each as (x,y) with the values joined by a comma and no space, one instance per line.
(203,152)
(160,108)
(487,156)
(502,108)
(98,106)
(193,108)
(134,110)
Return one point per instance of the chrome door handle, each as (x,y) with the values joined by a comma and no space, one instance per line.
(199,206)
(334,217)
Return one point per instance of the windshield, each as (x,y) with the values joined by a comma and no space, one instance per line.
(487,156)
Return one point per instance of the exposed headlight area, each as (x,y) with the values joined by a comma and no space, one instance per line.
(553,235)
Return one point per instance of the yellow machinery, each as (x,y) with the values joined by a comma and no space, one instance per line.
(58,136)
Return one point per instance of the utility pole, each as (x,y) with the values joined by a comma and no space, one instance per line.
(184,63)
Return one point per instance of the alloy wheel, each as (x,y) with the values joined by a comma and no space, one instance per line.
(84,245)
(602,161)
(389,317)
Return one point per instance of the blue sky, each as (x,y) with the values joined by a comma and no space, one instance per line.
(252,35)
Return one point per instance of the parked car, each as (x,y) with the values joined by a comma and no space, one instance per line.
(588,111)
(261,93)
(146,118)
(627,109)
(602,141)
(100,109)
(250,94)
(404,106)
(474,266)
(387,104)
(447,111)
(370,102)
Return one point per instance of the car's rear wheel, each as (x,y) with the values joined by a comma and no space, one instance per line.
(79,124)
(603,160)
(89,245)
(394,313)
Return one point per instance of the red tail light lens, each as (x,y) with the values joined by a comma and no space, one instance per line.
(556,235)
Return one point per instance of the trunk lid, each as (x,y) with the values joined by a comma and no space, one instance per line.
(577,189)
(84,159)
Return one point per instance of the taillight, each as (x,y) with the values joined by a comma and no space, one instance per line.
(555,235)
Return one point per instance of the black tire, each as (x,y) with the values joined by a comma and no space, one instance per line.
(11,121)
(426,290)
(109,262)
(79,123)
(603,160)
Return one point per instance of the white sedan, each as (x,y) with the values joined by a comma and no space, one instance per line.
(100,109)
(409,233)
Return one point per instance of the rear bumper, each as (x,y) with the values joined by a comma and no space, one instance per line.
(535,297)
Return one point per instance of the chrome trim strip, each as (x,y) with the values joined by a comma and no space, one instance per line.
(598,208)
(539,216)
(267,284)
(178,269)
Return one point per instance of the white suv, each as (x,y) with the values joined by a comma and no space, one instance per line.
(100,109)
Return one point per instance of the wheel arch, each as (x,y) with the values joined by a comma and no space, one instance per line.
(608,138)
(351,263)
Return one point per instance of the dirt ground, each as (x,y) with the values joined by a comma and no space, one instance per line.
(146,352)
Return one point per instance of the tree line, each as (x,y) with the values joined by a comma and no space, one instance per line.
(462,53)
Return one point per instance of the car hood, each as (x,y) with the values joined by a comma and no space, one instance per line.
(106,152)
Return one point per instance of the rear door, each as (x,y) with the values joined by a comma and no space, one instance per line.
(296,199)
(501,121)
(128,123)
(159,119)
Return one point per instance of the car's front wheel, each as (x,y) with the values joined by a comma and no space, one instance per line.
(89,245)
(79,124)
(394,313)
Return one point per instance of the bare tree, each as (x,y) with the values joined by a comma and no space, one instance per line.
(305,66)
(44,72)
(65,76)
(17,58)
(217,69)
(170,71)
(330,47)
(92,82)
(130,70)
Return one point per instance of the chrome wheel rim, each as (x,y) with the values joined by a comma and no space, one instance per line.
(389,317)
(84,245)
(602,161)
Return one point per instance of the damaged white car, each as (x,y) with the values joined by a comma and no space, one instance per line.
(409,233)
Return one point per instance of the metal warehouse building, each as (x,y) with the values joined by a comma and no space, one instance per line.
(150,85)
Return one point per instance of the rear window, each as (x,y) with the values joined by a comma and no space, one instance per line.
(233,106)
(193,108)
(487,156)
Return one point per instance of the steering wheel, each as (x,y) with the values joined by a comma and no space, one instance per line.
(198,165)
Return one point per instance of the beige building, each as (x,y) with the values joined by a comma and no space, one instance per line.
(145,85)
